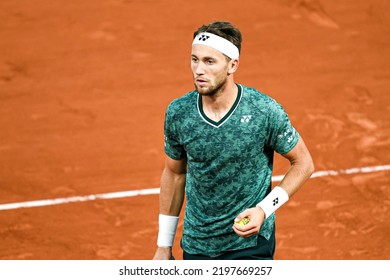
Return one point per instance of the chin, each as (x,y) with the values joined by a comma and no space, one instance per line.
(205,91)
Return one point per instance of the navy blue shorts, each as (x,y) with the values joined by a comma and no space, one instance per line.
(264,250)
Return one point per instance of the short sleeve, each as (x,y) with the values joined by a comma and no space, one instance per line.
(172,146)
(282,135)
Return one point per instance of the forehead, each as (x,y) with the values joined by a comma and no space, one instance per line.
(205,51)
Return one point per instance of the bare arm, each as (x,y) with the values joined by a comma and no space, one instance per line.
(172,191)
(301,168)
(172,186)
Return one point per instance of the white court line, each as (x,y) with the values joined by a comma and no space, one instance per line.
(55,201)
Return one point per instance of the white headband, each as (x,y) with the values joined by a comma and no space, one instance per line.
(216,42)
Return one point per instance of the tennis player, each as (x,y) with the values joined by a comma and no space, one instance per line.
(220,141)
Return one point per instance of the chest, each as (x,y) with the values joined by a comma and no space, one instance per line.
(240,136)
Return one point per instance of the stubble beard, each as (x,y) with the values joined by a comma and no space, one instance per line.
(212,90)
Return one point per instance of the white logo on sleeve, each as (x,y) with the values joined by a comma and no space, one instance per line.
(290,133)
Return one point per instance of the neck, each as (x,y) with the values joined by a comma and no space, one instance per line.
(218,105)
(223,99)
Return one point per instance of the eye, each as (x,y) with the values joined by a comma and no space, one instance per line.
(210,62)
(194,59)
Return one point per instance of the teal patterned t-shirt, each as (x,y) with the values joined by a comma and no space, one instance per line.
(229,165)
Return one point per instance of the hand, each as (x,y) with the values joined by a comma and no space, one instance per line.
(163,253)
(256,216)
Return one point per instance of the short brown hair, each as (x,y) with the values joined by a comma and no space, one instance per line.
(223,29)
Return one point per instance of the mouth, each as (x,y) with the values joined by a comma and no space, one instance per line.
(201,81)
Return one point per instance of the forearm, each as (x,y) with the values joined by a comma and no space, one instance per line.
(171,201)
(296,176)
(172,192)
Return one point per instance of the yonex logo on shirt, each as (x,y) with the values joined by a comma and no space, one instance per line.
(246,118)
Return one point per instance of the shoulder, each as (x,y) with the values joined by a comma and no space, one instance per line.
(182,104)
(259,100)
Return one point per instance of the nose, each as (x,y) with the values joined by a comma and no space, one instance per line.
(199,68)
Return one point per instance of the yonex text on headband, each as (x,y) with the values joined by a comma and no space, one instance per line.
(216,42)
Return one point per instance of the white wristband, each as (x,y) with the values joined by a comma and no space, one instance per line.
(276,198)
(167,230)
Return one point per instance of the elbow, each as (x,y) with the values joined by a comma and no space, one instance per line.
(310,167)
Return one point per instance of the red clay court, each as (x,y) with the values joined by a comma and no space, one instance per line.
(83,90)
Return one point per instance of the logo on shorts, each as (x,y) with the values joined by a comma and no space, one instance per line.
(246,118)
(203,37)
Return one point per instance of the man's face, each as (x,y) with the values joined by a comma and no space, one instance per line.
(209,68)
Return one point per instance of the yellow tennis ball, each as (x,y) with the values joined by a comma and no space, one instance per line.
(243,222)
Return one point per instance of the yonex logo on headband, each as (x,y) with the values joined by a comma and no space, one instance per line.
(203,37)
(216,42)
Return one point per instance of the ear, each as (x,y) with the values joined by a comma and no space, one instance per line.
(233,65)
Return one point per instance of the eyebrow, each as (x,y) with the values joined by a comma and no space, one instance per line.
(204,58)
